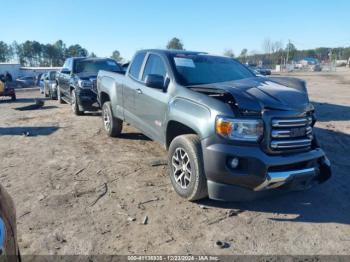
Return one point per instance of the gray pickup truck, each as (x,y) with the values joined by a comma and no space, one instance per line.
(230,135)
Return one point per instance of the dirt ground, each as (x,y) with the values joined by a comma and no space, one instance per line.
(79,192)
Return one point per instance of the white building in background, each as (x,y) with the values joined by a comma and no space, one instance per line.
(13,68)
(16,70)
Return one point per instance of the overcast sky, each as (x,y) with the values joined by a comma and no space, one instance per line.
(102,26)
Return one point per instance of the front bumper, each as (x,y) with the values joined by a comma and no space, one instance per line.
(87,100)
(259,174)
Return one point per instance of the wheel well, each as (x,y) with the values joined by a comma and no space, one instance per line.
(175,129)
(104,97)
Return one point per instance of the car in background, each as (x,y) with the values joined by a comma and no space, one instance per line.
(77,82)
(25,82)
(41,81)
(316,68)
(125,66)
(6,91)
(259,70)
(50,85)
(9,250)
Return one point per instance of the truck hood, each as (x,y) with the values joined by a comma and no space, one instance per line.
(86,76)
(258,93)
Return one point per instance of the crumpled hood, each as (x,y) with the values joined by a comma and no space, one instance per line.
(258,93)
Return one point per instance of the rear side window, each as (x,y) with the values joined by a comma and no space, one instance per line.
(136,65)
(154,66)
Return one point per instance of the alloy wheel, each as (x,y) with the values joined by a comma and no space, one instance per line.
(181,166)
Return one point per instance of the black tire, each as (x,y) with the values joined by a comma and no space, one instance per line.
(112,125)
(52,97)
(74,104)
(13,98)
(50,94)
(59,96)
(197,185)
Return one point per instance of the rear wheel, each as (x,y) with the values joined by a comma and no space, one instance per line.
(74,104)
(186,167)
(52,97)
(112,125)
(46,94)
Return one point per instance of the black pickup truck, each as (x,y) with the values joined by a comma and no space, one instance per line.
(77,82)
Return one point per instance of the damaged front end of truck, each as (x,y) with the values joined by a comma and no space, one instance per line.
(278,150)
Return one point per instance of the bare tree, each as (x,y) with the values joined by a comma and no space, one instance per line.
(116,56)
(267,46)
(229,53)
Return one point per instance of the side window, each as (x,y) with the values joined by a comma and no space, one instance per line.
(154,66)
(70,64)
(65,66)
(136,65)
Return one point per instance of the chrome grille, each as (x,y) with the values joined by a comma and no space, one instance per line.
(289,134)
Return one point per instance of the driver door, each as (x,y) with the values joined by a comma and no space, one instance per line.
(152,103)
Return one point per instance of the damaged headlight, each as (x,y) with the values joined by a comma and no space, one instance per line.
(85,84)
(239,129)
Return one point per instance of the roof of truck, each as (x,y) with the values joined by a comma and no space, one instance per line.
(173,51)
(90,58)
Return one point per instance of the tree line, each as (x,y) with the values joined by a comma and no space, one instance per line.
(274,52)
(33,53)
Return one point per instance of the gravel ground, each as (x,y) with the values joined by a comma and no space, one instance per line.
(79,192)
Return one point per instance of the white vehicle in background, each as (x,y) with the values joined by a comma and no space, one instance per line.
(50,85)
(41,82)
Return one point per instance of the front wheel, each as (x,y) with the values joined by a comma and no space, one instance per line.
(112,125)
(13,98)
(74,104)
(186,167)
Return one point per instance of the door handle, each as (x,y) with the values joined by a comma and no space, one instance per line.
(139,91)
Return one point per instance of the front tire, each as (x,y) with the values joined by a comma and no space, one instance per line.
(186,167)
(112,125)
(13,98)
(74,104)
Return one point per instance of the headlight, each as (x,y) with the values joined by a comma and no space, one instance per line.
(85,84)
(239,129)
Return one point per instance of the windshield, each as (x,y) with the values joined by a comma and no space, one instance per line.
(205,69)
(92,67)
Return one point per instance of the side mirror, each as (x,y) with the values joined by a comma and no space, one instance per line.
(65,71)
(155,81)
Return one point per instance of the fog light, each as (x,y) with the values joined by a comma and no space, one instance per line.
(234,162)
